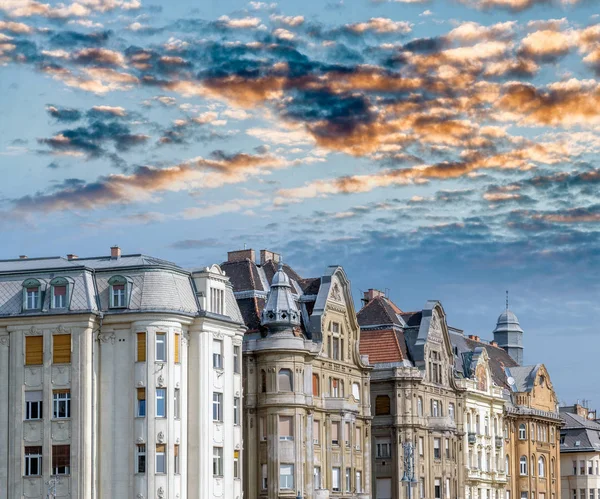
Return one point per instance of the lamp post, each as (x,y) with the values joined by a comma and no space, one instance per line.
(409,467)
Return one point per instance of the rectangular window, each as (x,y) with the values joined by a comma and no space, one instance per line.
(264,482)
(581,494)
(335,479)
(447,444)
(582,467)
(575,467)
(161,458)
(317,477)
(176,353)
(61,404)
(118,295)
(421,445)
(435,408)
(218,461)
(358,438)
(437,452)
(217,406)
(286,429)
(33,461)
(161,347)
(286,476)
(33,405)
(141,402)
(335,433)
(347,433)
(141,347)
(451,411)
(61,459)
(161,405)
(61,349)
(263,429)
(523,494)
(590,467)
(348,480)
(383,448)
(236,410)
(336,349)
(176,404)
(335,387)
(32,299)
(316,432)
(140,458)
(176,459)
(447,489)
(422,488)
(437,489)
(217,354)
(236,464)
(358,481)
(236,359)
(59,295)
(34,350)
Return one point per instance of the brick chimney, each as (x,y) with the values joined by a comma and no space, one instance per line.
(23,257)
(71,256)
(474,338)
(241,255)
(494,343)
(371,294)
(266,255)
(115,252)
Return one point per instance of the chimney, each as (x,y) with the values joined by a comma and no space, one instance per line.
(241,255)
(474,338)
(371,294)
(23,257)
(266,255)
(115,252)
(494,343)
(71,256)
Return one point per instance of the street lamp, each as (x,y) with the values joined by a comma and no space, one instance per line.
(409,466)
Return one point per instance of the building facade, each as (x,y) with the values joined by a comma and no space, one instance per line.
(109,367)
(579,453)
(306,388)
(416,398)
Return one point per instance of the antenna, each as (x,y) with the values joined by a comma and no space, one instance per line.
(507,299)
(245,246)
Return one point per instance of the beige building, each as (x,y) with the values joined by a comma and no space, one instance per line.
(120,378)
(306,389)
(416,399)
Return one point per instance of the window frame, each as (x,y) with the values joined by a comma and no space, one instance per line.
(523,463)
(217,461)
(160,454)
(29,404)
(236,411)
(522,431)
(289,375)
(28,459)
(160,339)
(287,485)
(66,469)
(162,391)
(142,403)
(217,355)
(31,284)
(177,403)
(237,357)
(120,300)
(217,407)
(140,459)
(59,282)
(60,398)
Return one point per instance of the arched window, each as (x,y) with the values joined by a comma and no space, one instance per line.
(315,383)
(541,467)
(532,465)
(507,464)
(382,405)
(469,422)
(119,291)
(60,294)
(284,380)
(356,391)
(522,431)
(523,466)
(32,294)
(263,381)
(477,425)
(486,426)
(419,406)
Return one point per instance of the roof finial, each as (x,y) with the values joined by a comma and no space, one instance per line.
(507,299)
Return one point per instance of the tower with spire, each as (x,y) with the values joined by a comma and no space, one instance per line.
(509,335)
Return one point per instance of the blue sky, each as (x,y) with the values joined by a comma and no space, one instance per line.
(441,150)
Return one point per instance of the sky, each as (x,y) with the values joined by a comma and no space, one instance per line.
(441,149)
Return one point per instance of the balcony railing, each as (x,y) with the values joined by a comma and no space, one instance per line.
(443,423)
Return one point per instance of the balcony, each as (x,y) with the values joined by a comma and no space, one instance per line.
(340,404)
(499,442)
(472,437)
(443,423)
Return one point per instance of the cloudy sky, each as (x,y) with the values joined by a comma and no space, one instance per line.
(441,149)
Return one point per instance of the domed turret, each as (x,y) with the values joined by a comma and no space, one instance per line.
(509,334)
(280,311)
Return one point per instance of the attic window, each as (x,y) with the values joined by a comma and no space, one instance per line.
(120,291)
(32,294)
(60,293)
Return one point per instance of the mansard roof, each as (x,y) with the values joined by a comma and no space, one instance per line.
(580,434)
(380,311)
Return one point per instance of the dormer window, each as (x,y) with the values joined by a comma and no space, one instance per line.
(120,289)
(32,294)
(60,293)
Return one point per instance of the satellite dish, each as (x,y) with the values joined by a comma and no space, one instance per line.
(510,380)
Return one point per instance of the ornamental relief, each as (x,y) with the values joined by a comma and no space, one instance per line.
(61,375)
(33,331)
(32,431)
(61,430)
(61,330)
(336,293)
(4,340)
(32,487)
(33,376)
(218,433)
(107,337)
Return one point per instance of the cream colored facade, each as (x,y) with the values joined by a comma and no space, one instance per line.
(122,406)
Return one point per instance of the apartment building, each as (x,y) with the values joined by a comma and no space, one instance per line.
(307,413)
(121,378)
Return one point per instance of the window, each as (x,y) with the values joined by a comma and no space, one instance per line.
(382,405)
(176,459)
(286,428)
(477,425)
(317,477)
(141,402)
(335,432)
(419,406)
(358,438)
(217,406)
(236,410)
(61,404)
(217,354)
(447,489)
(61,459)
(582,467)
(34,350)
(263,429)
(582,494)
(590,468)
(141,347)
(347,433)
(316,432)
(437,452)
(176,404)
(60,295)
(161,347)
(383,448)
(437,488)
(523,494)
(284,380)
(236,464)
(447,444)
(264,482)
(592,494)
(356,391)
(33,405)
(286,476)
(469,422)
(542,467)
(532,467)
(335,387)
(161,406)
(32,295)
(33,461)
(574,493)
(118,292)
(506,430)
(61,349)
(218,461)
(358,481)
(176,352)
(421,445)
(315,385)
(236,359)
(522,432)
(422,488)
(435,408)
(574,467)
(217,301)
(451,411)
(263,381)
(486,426)
(336,348)
(348,480)
(523,466)
(161,458)
(140,458)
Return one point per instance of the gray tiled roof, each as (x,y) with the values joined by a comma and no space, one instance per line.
(524,377)
(580,434)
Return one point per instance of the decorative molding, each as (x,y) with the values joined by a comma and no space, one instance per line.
(160,493)
(177,440)
(108,336)
(33,331)
(140,496)
(140,440)
(160,437)
(177,385)
(218,336)
(160,380)
(185,337)
(61,330)
(140,384)
(4,340)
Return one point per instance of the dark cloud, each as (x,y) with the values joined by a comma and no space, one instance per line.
(64,114)
(70,39)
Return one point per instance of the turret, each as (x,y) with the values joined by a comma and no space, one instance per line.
(280,312)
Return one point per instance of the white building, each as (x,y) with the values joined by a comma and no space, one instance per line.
(120,378)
